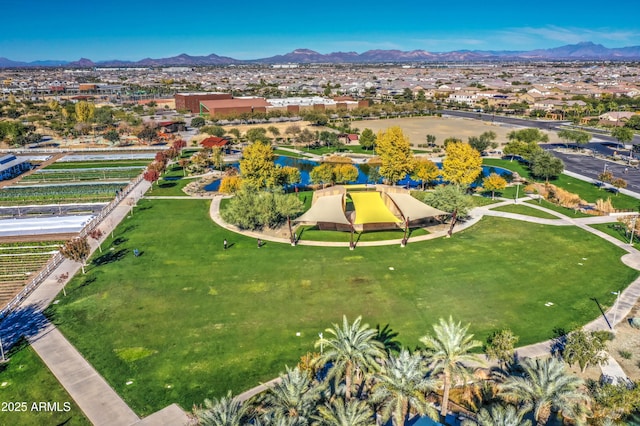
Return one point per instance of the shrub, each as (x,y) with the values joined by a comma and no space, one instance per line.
(625,354)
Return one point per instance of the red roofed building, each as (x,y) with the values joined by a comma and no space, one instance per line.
(214,142)
(233,106)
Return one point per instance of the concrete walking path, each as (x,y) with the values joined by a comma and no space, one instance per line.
(613,316)
(95,397)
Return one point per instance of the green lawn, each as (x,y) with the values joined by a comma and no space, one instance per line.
(587,191)
(312,233)
(556,208)
(525,210)
(187,321)
(617,230)
(26,379)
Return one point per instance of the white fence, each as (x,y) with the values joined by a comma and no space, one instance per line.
(56,259)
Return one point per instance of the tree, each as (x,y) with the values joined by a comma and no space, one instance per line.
(528,135)
(462,164)
(322,174)
(148,134)
(499,415)
(345,173)
(452,199)
(230,184)
(77,249)
(395,154)
(425,171)
(256,134)
(619,184)
(217,131)
(494,182)
(257,166)
(151,175)
(275,132)
(402,387)
(352,352)
(292,399)
(622,134)
(96,234)
(226,411)
(197,122)
(585,349)
(306,137)
(577,136)
(613,402)
(482,142)
(522,149)
(447,351)
(367,139)
(545,165)
(500,345)
(84,111)
(112,136)
(544,386)
(341,413)
(251,209)
(431,140)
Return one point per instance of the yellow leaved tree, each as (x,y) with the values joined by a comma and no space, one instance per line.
(494,182)
(462,164)
(395,154)
(425,171)
(257,166)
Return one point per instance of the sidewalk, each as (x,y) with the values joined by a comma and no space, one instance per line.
(95,397)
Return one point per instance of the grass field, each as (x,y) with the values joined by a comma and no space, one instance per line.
(187,320)
(525,210)
(26,379)
(587,191)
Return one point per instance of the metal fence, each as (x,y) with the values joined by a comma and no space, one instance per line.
(57,259)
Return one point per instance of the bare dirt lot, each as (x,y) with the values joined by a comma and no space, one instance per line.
(415,128)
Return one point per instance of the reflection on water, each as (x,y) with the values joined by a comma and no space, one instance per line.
(364,170)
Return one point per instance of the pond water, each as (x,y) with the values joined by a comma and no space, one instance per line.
(305,167)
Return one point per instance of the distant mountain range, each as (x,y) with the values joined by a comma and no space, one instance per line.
(581,51)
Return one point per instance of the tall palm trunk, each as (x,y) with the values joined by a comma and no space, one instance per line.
(445,394)
(347,382)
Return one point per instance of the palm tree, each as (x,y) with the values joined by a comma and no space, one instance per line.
(499,415)
(352,352)
(226,411)
(293,398)
(340,413)
(403,386)
(447,351)
(545,386)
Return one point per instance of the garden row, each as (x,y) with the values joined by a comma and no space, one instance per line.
(47,194)
(75,175)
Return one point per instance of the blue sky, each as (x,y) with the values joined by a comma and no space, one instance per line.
(135,29)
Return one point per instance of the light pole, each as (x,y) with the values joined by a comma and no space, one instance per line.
(517,191)
(633,228)
(321,344)
(615,307)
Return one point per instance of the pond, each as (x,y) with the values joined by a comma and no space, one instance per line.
(305,167)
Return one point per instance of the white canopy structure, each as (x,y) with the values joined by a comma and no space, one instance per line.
(412,208)
(329,209)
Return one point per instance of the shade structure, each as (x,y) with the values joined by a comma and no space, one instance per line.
(327,209)
(370,208)
(412,208)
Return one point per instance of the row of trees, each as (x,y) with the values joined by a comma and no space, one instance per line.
(362,376)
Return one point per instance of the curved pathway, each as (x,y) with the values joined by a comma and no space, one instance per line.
(616,314)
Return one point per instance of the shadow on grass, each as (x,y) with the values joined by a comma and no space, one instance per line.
(110,257)
(387,337)
(119,240)
(23,323)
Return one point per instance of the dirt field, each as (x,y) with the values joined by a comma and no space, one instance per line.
(627,339)
(415,128)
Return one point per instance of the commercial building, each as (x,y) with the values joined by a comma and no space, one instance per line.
(191,101)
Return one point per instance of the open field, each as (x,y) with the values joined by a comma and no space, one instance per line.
(26,379)
(187,320)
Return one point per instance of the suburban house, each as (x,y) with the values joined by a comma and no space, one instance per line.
(12,166)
